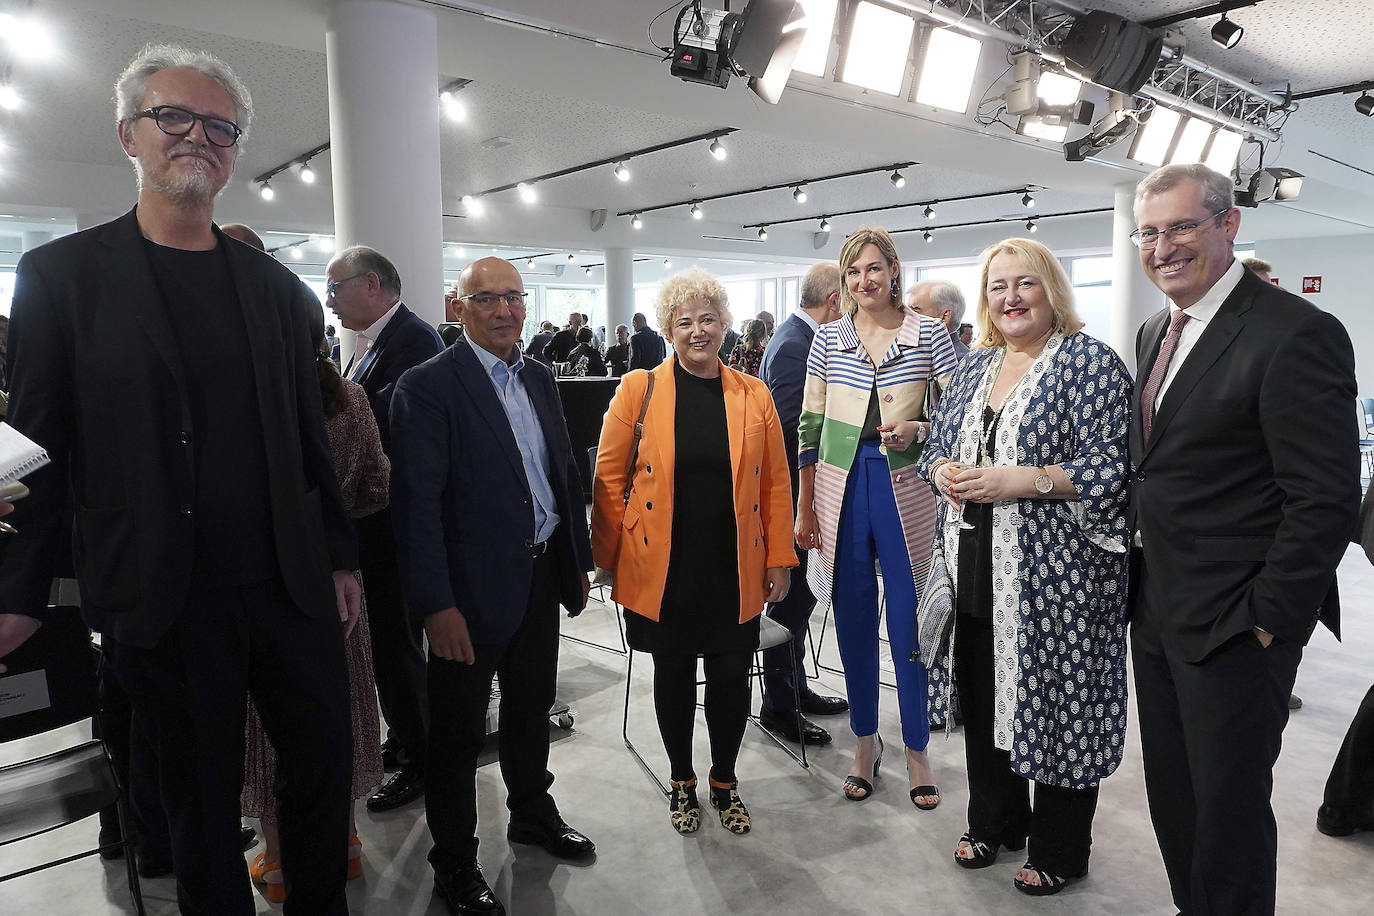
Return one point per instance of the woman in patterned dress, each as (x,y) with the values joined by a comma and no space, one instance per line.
(1029,453)
(364,474)
(747,355)
(869,377)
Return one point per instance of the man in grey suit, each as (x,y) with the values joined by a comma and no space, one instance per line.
(1244,493)
(943,301)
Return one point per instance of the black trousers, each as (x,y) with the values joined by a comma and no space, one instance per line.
(780,673)
(398,656)
(1059,823)
(527,666)
(1210,733)
(1349,799)
(190,694)
(727,708)
(131,751)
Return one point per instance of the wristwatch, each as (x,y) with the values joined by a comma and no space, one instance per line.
(1044,484)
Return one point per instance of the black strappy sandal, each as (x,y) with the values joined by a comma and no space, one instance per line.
(1049,884)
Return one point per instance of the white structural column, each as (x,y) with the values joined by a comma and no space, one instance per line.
(32,238)
(1134,297)
(620,290)
(383,62)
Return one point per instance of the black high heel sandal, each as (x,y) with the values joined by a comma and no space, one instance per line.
(984,854)
(1049,884)
(858,782)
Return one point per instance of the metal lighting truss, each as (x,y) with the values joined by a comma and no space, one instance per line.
(1179,81)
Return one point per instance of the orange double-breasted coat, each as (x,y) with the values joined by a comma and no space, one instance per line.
(634,539)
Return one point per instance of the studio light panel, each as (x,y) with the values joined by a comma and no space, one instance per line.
(876,53)
(947,70)
(815,49)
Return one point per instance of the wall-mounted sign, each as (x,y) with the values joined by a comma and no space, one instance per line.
(1311,284)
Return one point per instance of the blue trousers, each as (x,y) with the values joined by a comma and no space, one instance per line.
(870,527)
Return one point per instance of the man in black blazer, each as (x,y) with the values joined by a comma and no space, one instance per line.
(618,353)
(493,537)
(212,548)
(783,370)
(364,290)
(562,343)
(647,347)
(1244,495)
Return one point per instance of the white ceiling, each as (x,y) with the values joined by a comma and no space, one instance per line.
(563,100)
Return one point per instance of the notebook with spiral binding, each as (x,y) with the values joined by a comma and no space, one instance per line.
(19,455)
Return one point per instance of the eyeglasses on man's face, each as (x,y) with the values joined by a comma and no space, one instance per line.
(331,289)
(177,122)
(1149,238)
(514,299)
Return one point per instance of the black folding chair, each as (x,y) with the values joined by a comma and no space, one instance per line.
(51,683)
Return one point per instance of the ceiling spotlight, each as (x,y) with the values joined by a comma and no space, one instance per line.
(636,222)
(265,189)
(1028,201)
(1365,104)
(718,149)
(825,224)
(588,271)
(898,179)
(296,252)
(529,262)
(696,212)
(453,106)
(527,192)
(667,263)
(327,245)
(473,205)
(928,236)
(8,97)
(572,259)
(929,212)
(1030,225)
(1226,33)
(763,233)
(305,172)
(799,194)
(621,171)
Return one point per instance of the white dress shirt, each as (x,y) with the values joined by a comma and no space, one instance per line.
(1199,314)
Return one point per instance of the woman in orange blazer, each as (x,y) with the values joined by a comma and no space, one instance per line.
(693,573)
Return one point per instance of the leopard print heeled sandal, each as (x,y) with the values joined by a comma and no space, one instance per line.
(734,817)
(684,812)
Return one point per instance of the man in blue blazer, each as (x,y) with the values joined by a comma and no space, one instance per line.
(364,290)
(492,537)
(783,370)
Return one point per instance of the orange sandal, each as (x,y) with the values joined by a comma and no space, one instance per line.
(269,875)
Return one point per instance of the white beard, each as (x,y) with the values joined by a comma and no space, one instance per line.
(188,188)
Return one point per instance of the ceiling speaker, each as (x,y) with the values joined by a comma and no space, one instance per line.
(1112,51)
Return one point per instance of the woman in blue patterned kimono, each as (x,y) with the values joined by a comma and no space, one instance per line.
(1029,452)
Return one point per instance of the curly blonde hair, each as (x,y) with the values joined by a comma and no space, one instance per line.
(684,286)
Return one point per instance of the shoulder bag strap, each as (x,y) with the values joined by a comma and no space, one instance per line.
(638,435)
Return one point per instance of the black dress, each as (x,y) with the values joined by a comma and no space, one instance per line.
(700,610)
(974,591)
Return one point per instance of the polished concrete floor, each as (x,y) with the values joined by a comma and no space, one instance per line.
(811,851)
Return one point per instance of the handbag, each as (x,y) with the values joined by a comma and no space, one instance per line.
(604,576)
(935,612)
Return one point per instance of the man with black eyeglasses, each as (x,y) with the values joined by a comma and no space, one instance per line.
(1245,485)
(212,548)
(492,536)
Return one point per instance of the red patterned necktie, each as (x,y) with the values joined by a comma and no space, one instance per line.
(1159,371)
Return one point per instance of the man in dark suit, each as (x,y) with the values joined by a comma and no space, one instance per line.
(493,537)
(647,348)
(618,353)
(557,349)
(212,548)
(1244,495)
(364,290)
(783,370)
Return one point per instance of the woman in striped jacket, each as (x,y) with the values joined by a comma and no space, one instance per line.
(864,418)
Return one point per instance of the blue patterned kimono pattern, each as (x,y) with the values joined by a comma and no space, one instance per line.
(1059,566)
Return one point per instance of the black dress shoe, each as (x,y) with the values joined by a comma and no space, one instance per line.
(786,727)
(403,787)
(248,836)
(555,836)
(819,705)
(1331,823)
(466,893)
(391,756)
